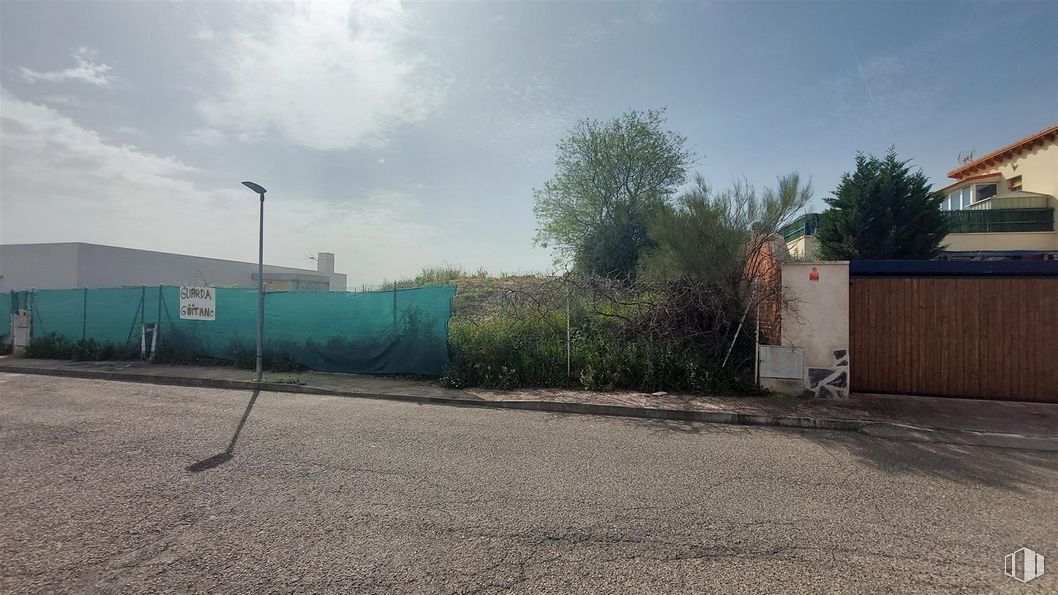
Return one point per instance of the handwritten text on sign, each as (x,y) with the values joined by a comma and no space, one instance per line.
(198,303)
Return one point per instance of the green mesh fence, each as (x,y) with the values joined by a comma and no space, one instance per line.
(387,332)
(1000,220)
(6,309)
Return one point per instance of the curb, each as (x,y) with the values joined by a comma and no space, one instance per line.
(547,406)
(893,431)
(885,430)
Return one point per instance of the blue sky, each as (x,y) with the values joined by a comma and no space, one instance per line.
(401,135)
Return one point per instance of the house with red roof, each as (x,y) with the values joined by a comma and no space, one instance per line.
(1004,202)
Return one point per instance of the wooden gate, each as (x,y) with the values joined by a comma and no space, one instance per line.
(984,337)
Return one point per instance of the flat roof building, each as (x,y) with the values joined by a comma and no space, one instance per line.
(69,265)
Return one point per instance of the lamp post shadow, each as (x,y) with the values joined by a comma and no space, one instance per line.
(227,455)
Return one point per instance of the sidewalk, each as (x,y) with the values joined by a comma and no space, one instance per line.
(960,421)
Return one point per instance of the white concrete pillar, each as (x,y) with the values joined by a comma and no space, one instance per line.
(815,319)
(325,262)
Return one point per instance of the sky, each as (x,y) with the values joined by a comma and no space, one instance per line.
(400,135)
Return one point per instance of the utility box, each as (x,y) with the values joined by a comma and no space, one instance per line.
(20,331)
(782,369)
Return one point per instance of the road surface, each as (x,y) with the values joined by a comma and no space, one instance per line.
(356,495)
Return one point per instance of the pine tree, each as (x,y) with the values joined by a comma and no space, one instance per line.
(882,210)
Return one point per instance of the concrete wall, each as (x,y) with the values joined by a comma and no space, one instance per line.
(1025,240)
(40,266)
(325,265)
(1038,169)
(804,247)
(816,320)
(74,265)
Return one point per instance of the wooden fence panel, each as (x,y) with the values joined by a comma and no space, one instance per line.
(985,337)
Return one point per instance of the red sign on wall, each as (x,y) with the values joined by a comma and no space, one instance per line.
(813,275)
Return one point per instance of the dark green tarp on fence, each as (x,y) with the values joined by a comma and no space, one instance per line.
(6,309)
(387,332)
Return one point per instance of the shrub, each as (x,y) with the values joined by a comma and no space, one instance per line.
(505,352)
(177,347)
(645,342)
(54,346)
(85,350)
(242,356)
(49,346)
(112,352)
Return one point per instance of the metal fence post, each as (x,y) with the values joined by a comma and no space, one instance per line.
(158,325)
(569,371)
(84,313)
(756,350)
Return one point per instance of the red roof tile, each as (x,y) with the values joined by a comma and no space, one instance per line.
(1026,143)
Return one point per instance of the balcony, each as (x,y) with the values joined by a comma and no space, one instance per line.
(1000,220)
(804,226)
(1013,200)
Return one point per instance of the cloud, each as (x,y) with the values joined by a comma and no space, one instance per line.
(203,137)
(66,100)
(906,84)
(331,75)
(86,71)
(598,31)
(591,34)
(61,182)
(523,116)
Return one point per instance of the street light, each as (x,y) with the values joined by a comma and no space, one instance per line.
(260,280)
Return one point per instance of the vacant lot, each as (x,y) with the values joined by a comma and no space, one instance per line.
(338,494)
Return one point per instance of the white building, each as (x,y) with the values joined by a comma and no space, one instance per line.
(71,265)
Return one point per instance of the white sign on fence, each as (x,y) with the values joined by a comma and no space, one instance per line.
(198,303)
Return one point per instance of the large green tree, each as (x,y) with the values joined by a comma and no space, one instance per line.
(610,177)
(882,210)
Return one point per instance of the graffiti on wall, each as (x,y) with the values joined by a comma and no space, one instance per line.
(831,383)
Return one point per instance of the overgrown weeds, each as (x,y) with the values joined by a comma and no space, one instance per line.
(638,336)
(54,346)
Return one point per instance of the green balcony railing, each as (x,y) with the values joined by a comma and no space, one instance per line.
(804,226)
(1000,220)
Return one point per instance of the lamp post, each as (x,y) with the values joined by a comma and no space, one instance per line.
(260,280)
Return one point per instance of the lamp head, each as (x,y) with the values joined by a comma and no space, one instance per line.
(255,187)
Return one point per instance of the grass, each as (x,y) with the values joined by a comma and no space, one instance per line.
(443,274)
(508,352)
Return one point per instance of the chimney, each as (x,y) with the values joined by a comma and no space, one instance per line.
(325,262)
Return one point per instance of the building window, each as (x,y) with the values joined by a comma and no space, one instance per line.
(1015,183)
(963,198)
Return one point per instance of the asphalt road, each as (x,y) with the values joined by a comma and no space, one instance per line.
(337,494)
